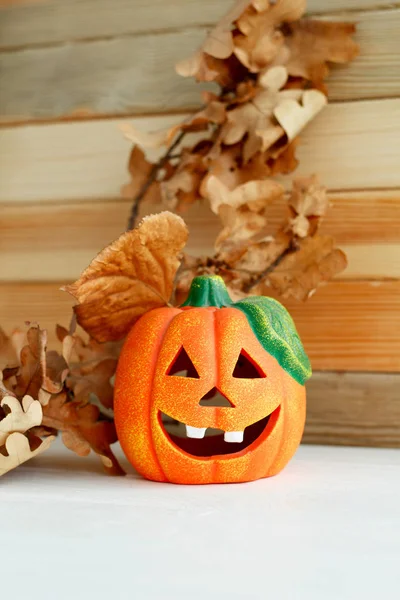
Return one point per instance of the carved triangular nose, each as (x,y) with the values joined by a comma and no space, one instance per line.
(215,398)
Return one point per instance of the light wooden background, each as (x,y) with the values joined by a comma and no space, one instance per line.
(72,71)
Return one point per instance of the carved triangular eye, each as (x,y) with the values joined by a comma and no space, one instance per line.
(247,368)
(182,366)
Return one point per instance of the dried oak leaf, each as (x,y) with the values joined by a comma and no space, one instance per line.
(182,189)
(285,162)
(227,166)
(10,348)
(245,91)
(33,363)
(91,367)
(83,429)
(91,351)
(41,373)
(308,203)
(312,44)
(242,210)
(140,169)
(55,373)
(254,194)
(86,379)
(261,256)
(218,45)
(21,416)
(130,277)
(272,114)
(214,112)
(294,114)
(69,341)
(301,272)
(4,391)
(255,118)
(260,41)
(19,449)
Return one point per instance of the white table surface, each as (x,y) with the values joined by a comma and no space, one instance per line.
(328,527)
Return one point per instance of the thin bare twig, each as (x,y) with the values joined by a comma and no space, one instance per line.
(151,178)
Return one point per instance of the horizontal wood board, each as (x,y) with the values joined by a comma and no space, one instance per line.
(135,74)
(46,242)
(352,218)
(353,409)
(39,22)
(351,145)
(347,325)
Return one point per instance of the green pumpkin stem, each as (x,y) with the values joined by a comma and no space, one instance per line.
(208,290)
(269,320)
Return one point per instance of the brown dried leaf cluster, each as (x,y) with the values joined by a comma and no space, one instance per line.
(257,34)
(43,392)
(271,64)
(293,262)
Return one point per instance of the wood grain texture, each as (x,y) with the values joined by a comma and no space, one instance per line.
(352,326)
(13,3)
(32,22)
(375,72)
(353,409)
(373,262)
(118,76)
(135,74)
(49,242)
(352,145)
(352,218)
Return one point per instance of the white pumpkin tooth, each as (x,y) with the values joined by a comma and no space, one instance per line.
(195,432)
(233,436)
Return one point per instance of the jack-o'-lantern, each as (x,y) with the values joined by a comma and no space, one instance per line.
(232,374)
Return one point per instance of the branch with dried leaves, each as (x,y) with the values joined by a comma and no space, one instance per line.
(270,64)
(44,392)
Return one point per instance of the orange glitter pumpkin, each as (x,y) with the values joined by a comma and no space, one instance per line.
(232,374)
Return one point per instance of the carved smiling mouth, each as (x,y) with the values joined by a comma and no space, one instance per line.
(203,442)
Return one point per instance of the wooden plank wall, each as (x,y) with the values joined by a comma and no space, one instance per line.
(72,72)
